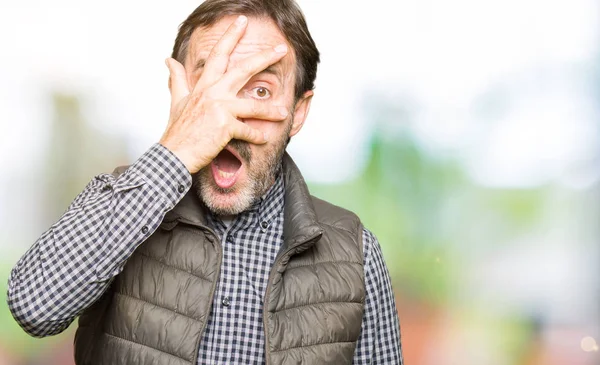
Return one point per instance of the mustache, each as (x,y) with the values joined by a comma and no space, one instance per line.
(242,148)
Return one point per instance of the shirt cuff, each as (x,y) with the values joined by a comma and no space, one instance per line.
(162,170)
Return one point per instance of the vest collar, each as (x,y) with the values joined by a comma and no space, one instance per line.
(300,224)
(300,228)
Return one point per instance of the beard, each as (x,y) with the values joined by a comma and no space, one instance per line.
(261,172)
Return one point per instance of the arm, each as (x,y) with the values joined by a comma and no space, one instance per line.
(379,342)
(71,265)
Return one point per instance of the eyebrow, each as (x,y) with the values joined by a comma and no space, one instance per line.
(272,69)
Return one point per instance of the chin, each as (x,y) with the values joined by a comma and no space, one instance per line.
(220,201)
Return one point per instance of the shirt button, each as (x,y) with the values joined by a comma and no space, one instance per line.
(264,225)
(229,239)
(226,302)
(181,189)
(107,187)
(145,229)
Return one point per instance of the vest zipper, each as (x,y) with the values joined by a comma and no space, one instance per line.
(268,292)
(212,294)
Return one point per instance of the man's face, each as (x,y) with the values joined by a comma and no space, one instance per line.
(243,172)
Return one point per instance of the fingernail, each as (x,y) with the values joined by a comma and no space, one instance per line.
(283,111)
(241,20)
(282,48)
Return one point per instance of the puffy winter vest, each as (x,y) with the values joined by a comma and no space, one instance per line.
(156,309)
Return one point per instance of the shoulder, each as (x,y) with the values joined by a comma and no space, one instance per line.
(342,229)
(335,216)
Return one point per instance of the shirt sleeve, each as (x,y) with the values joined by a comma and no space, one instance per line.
(379,341)
(71,265)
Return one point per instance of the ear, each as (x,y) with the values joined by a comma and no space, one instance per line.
(301,112)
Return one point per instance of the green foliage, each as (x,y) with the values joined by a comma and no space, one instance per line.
(426,213)
(399,197)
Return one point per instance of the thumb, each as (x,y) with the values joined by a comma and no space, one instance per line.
(177,81)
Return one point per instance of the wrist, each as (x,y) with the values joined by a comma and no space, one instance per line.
(164,173)
(179,154)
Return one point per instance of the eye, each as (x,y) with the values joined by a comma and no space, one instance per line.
(260,93)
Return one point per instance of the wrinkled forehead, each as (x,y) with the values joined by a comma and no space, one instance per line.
(260,34)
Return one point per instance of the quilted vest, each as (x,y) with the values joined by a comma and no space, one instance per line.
(155,311)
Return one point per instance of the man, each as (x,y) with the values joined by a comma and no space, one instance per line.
(209,248)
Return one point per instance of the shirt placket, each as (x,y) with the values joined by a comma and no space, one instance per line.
(225,322)
(234,333)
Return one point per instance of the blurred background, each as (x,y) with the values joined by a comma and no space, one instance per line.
(465,134)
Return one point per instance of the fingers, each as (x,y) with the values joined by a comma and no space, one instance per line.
(254,109)
(217,61)
(243,131)
(177,81)
(237,77)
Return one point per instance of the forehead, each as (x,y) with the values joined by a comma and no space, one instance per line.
(260,34)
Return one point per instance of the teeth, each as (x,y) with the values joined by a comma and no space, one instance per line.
(226,175)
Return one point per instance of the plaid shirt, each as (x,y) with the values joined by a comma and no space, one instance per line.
(71,265)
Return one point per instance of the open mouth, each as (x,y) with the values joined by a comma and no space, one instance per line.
(226,168)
